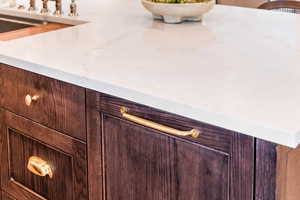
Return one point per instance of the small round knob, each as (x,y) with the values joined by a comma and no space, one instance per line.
(29,99)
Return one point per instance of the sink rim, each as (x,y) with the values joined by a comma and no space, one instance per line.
(21,20)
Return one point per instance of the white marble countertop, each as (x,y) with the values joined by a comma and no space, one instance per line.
(239,69)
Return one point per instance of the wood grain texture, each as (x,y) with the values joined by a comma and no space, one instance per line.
(277,172)
(212,136)
(266,164)
(30,31)
(281,171)
(22,138)
(6,196)
(2,127)
(142,164)
(242,167)
(94,146)
(137,159)
(283,5)
(56,188)
(288,178)
(60,106)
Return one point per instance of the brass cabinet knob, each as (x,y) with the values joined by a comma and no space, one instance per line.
(29,99)
(39,167)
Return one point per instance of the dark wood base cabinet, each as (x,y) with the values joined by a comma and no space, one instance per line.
(22,139)
(139,162)
(64,142)
(6,196)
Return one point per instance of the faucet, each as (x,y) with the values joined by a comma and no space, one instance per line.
(73,9)
(45,9)
(32,6)
(58,8)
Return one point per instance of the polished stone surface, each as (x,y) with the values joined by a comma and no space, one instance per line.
(238,69)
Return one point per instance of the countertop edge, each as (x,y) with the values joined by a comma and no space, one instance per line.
(237,125)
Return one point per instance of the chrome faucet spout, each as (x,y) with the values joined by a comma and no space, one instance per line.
(32,6)
(58,8)
(73,9)
(45,9)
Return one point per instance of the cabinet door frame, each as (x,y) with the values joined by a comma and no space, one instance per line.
(6,196)
(241,148)
(74,148)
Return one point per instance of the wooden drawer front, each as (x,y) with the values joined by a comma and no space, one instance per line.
(6,196)
(146,163)
(60,106)
(143,164)
(22,139)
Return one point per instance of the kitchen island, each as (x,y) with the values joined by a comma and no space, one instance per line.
(238,70)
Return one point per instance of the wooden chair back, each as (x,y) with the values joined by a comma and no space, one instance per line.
(285,6)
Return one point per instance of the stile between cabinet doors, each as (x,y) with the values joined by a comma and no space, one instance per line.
(131,161)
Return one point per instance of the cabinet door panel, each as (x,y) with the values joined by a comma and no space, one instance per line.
(43,186)
(136,163)
(143,164)
(6,196)
(131,161)
(21,139)
(198,173)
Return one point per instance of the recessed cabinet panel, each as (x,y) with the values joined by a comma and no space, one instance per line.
(143,164)
(198,173)
(22,148)
(142,159)
(40,163)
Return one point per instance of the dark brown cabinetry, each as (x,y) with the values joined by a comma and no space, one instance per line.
(63,142)
(142,163)
(22,139)
(42,134)
(6,196)
(59,105)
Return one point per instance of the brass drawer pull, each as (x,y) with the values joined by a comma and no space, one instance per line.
(194,132)
(39,167)
(29,99)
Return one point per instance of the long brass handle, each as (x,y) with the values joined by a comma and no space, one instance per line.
(193,133)
(39,167)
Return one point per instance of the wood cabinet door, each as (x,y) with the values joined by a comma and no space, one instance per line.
(145,164)
(6,196)
(139,162)
(20,140)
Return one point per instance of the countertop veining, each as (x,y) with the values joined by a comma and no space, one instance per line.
(239,69)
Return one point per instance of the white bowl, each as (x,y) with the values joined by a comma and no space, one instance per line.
(178,12)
